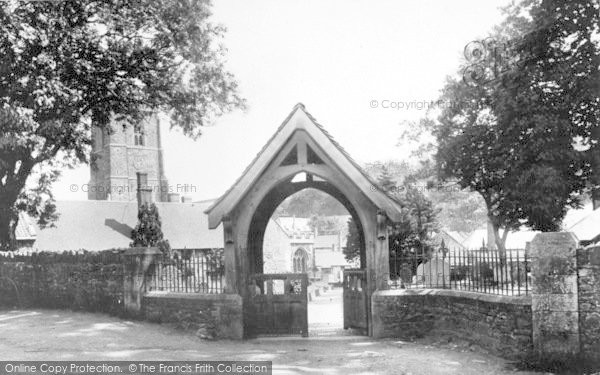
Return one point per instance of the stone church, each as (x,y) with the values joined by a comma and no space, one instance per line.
(291,245)
(127,169)
(126,158)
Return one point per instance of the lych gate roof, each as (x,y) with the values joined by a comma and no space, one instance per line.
(300,119)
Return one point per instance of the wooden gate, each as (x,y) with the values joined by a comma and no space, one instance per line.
(355,299)
(278,305)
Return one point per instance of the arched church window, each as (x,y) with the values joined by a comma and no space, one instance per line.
(300,261)
(138,135)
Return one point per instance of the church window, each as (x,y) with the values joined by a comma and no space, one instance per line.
(142,180)
(138,135)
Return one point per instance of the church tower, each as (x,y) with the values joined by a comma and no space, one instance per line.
(126,159)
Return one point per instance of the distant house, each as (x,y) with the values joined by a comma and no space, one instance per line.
(25,233)
(583,222)
(331,265)
(481,238)
(451,240)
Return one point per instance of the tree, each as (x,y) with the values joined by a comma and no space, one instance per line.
(308,202)
(513,136)
(458,209)
(70,65)
(353,243)
(148,231)
(412,232)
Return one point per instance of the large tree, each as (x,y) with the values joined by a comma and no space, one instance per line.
(458,209)
(522,134)
(69,65)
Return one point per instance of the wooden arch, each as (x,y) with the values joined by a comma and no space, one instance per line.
(300,145)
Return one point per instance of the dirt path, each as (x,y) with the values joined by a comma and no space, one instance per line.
(65,335)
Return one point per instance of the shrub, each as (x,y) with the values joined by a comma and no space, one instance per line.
(458,273)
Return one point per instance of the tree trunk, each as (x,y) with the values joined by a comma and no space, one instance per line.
(8,223)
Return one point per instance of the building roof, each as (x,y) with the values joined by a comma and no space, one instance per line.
(25,230)
(100,225)
(293,225)
(515,240)
(325,241)
(450,242)
(300,119)
(458,236)
(587,228)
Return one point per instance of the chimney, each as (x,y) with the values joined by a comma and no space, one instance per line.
(174,197)
(144,192)
(596,198)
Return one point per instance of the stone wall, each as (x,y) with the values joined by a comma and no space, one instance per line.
(83,281)
(112,282)
(500,324)
(588,261)
(206,315)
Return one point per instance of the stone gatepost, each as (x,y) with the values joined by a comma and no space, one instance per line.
(554,297)
(137,260)
(588,262)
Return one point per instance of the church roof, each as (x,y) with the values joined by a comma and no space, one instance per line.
(327,241)
(299,118)
(327,259)
(95,225)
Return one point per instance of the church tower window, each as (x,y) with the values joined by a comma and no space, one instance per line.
(138,135)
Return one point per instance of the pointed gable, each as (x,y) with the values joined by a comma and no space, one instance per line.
(300,139)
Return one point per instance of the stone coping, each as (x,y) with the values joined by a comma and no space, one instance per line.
(194,296)
(142,250)
(494,298)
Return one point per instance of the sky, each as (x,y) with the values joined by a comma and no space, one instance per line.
(360,67)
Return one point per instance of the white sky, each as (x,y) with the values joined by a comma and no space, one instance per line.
(333,56)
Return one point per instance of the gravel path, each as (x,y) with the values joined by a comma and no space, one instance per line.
(66,335)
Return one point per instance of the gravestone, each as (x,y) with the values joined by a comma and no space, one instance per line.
(434,273)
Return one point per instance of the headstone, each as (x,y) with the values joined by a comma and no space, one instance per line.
(434,273)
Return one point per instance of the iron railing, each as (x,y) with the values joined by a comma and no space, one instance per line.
(187,271)
(481,270)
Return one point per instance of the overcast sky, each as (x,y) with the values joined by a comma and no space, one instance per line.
(339,58)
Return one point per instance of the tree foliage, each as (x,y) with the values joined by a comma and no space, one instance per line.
(68,65)
(458,209)
(413,232)
(309,202)
(523,137)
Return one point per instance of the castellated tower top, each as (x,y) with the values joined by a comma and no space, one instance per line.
(129,157)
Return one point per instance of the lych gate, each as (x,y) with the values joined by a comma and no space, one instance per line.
(276,304)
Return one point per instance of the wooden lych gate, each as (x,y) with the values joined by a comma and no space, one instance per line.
(300,146)
(356,302)
(278,305)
